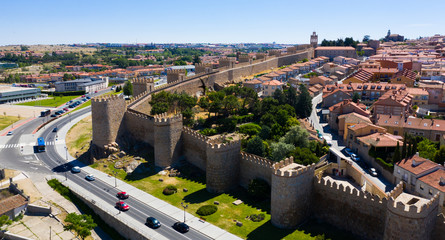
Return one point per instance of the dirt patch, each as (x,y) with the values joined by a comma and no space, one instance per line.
(79,137)
(9,173)
(29,189)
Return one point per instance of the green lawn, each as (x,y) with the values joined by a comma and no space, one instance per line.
(197,196)
(51,102)
(7,120)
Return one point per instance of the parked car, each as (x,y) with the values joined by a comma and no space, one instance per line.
(152,222)
(181,227)
(9,133)
(66,109)
(348,151)
(121,205)
(90,177)
(122,195)
(75,169)
(88,97)
(373,172)
(53,115)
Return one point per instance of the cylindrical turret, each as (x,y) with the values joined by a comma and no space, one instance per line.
(222,168)
(167,136)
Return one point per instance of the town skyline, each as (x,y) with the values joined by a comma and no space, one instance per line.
(232,22)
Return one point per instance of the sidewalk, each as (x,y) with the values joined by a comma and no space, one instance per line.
(167,209)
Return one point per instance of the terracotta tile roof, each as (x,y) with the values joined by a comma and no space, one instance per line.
(253,81)
(362,75)
(406,73)
(354,118)
(411,122)
(420,165)
(273,83)
(417,91)
(433,179)
(327,94)
(360,108)
(272,74)
(10,203)
(364,125)
(400,97)
(381,140)
(263,78)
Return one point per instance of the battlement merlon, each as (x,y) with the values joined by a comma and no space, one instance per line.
(396,191)
(413,210)
(290,171)
(164,119)
(256,160)
(283,163)
(143,80)
(108,98)
(136,98)
(195,134)
(175,71)
(225,146)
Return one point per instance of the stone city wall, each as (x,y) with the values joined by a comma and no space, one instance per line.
(252,167)
(195,148)
(439,229)
(168,142)
(349,209)
(139,126)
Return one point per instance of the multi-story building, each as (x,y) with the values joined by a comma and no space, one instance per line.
(332,52)
(270,87)
(394,103)
(420,96)
(88,85)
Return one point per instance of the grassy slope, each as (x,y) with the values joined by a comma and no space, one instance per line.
(7,120)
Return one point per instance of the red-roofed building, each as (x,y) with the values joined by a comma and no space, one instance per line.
(394,103)
(334,97)
(254,84)
(421,176)
(332,52)
(270,87)
(406,77)
(345,107)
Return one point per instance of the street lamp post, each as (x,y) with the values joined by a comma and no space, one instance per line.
(115,179)
(184,206)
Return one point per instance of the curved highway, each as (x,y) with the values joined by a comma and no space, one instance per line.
(51,162)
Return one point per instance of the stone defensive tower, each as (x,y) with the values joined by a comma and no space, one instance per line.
(411,219)
(203,68)
(141,85)
(107,114)
(174,75)
(167,139)
(291,193)
(244,58)
(291,50)
(222,168)
(228,62)
(275,52)
(314,40)
(260,56)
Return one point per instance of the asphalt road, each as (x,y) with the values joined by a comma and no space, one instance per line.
(139,211)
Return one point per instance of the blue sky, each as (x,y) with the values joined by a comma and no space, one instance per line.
(229,21)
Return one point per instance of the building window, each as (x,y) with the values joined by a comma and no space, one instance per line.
(431,192)
(396,132)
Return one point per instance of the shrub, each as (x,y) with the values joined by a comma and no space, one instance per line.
(169,190)
(208,131)
(257,217)
(258,188)
(250,129)
(206,210)
(385,165)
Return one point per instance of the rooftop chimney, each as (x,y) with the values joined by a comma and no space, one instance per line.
(442,181)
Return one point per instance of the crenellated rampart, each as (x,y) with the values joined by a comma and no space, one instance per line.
(140,126)
(349,209)
(195,147)
(252,167)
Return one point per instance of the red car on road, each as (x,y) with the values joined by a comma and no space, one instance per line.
(122,195)
(121,205)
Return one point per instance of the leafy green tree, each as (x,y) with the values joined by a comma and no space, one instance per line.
(250,129)
(296,136)
(4,219)
(128,88)
(256,146)
(196,59)
(415,150)
(303,156)
(268,119)
(439,156)
(188,116)
(281,117)
(291,97)
(304,103)
(81,224)
(366,38)
(396,157)
(230,104)
(405,140)
(279,150)
(427,149)
(355,97)
(265,132)
(279,96)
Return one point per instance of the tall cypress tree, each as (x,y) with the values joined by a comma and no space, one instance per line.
(414,147)
(396,157)
(404,146)
(410,150)
(304,108)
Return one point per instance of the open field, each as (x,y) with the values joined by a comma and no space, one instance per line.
(79,136)
(51,102)
(8,120)
(49,48)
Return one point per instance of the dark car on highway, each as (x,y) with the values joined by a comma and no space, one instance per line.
(152,222)
(90,177)
(181,227)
